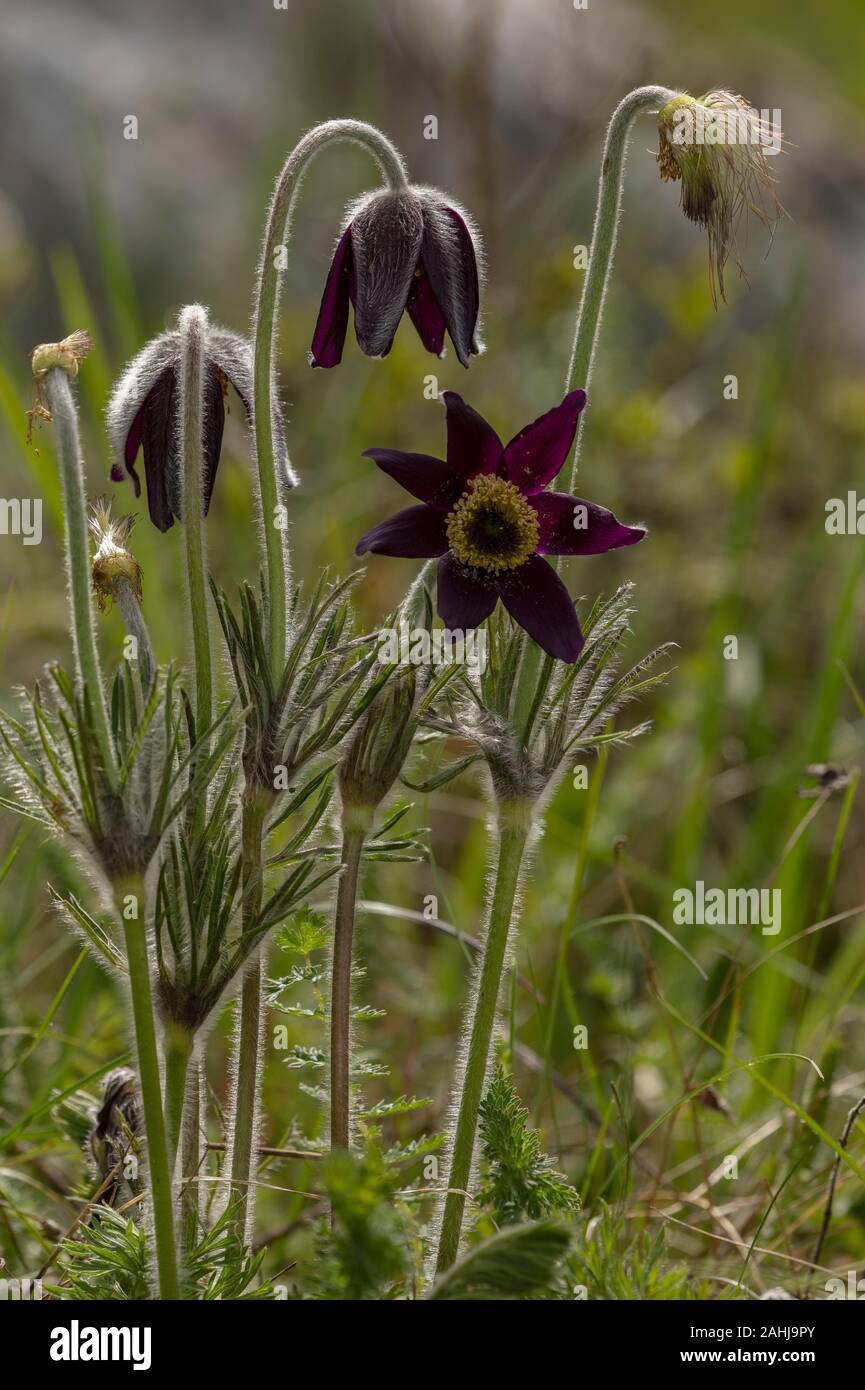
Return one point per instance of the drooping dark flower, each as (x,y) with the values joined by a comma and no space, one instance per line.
(487,514)
(144,413)
(402,249)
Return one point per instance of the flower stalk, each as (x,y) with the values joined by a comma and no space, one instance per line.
(514,831)
(55,365)
(177,1048)
(193,332)
(248,1036)
(356,825)
(127,895)
(604,237)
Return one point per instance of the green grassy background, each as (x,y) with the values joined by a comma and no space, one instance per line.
(113,235)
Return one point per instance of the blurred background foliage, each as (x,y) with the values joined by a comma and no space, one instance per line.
(109,234)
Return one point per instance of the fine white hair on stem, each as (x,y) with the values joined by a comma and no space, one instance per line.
(470,1008)
(252,975)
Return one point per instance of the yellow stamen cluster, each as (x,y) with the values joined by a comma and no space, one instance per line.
(493,526)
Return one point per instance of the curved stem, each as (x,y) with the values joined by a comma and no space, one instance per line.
(588,325)
(514,830)
(604,236)
(61,403)
(193,331)
(268,284)
(340,988)
(148,1074)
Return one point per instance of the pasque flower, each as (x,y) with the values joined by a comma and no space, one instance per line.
(144,413)
(487,514)
(402,249)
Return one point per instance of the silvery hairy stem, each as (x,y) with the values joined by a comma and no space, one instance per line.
(129,897)
(61,403)
(193,332)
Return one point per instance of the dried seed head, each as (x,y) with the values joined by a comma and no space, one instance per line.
(112,563)
(66,355)
(717,146)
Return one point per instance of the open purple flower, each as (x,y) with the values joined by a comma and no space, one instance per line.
(143,414)
(401,249)
(487,514)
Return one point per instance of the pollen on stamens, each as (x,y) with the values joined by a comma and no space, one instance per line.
(493,527)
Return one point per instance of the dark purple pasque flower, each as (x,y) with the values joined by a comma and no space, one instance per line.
(143,413)
(402,249)
(487,514)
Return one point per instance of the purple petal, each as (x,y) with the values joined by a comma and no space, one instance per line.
(425,314)
(133,438)
(473,445)
(449,259)
(462,602)
(214,424)
(566,530)
(423,476)
(536,454)
(329,336)
(418,532)
(385,237)
(536,597)
(159,441)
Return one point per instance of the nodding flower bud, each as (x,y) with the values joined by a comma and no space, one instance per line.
(717,146)
(144,412)
(402,249)
(113,565)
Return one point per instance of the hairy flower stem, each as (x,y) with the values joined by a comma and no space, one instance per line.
(269,280)
(588,326)
(126,895)
(133,621)
(193,330)
(248,1041)
(190,1154)
(58,394)
(604,236)
(514,829)
(177,1050)
(354,836)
